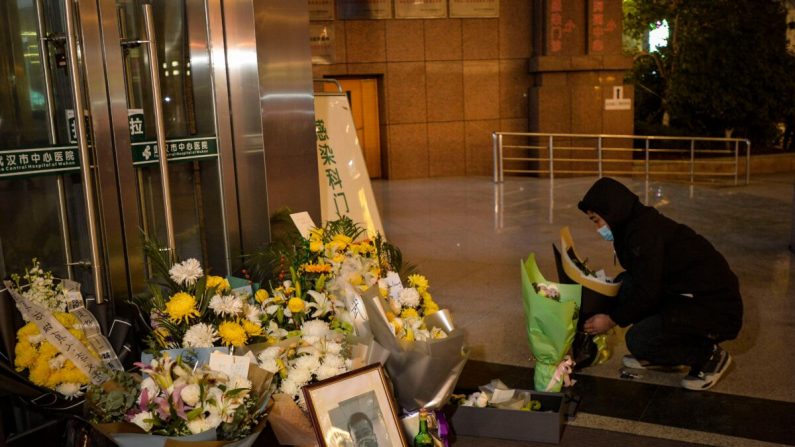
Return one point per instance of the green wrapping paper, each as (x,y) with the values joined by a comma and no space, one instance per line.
(551,324)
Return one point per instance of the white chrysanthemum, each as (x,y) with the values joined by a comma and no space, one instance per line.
(335,361)
(332,347)
(69,389)
(228,305)
(200,335)
(300,376)
(35,339)
(289,387)
(275,331)
(328,371)
(186,272)
(252,313)
(143,420)
(57,362)
(314,328)
(307,362)
(191,394)
(409,297)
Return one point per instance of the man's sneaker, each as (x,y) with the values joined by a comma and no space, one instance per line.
(630,361)
(707,376)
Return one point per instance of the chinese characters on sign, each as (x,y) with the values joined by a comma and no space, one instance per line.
(181,149)
(135,118)
(558,28)
(330,169)
(39,161)
(602,26)
(474,8)
(422,9)
(322,43)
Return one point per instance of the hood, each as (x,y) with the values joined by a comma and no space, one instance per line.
(611,200)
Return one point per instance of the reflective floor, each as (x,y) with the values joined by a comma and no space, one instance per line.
(467,235)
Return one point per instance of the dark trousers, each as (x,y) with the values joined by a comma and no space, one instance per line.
(649,340)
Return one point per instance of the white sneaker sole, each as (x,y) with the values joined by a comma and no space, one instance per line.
(703,385)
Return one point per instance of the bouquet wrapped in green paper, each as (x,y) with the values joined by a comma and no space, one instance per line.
(551,310)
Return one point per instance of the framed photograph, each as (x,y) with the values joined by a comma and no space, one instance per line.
(355,409)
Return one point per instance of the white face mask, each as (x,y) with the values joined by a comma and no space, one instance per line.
(605,232)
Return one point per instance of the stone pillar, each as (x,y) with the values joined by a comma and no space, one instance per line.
(577,63)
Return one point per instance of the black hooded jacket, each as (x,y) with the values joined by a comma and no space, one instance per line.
(670,269)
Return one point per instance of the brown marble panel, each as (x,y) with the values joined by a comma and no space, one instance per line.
(446,149)
(375,68)
(365,40)
(481,89)
(481,38)
(408,151)
(514,82)
(443,41)
(480,158)
(405,40)
(341,54)
(445,90)
(515,29)
(405,87)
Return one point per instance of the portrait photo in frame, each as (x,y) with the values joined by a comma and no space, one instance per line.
(355,409)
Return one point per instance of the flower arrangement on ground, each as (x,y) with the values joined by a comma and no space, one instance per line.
(176,399)
(190,309)
(46,365)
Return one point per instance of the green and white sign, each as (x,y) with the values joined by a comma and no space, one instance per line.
(135,118)
(46,160)
(182,149)
(70,121)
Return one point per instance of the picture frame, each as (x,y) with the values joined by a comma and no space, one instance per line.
(355,408)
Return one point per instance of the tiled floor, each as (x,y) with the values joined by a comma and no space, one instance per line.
(468,235)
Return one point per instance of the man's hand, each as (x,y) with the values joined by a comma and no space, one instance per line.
(598,324)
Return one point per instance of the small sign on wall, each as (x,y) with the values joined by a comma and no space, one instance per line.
(322,43)
(420,9)
(364,9)
(618,102)
(321,9)
(474,8)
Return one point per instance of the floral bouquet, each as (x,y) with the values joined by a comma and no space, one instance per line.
(179,401)
(598,294)
(552,311)
(189,309)
(60,347)
(427,352)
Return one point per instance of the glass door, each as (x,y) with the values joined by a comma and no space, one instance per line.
(48,205)
(170,99)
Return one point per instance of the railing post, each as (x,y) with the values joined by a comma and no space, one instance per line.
(502,157)
(692,160)
(496,157)
(646,165)
(599,154)
(747,162)
(736,161)
(551,156)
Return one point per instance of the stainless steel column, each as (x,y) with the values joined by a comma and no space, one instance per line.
(85,156)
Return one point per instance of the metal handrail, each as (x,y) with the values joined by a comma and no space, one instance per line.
(547,148)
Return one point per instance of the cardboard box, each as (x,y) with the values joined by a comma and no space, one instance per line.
(544,425)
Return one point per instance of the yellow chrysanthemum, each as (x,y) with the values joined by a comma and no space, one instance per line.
(409,335)
(24,356)
(338,258)
(221,284)
(430,307)
(27,330)
(317,268)
(261,295)
(66,319)
(232,334)
(339,242)
(409,313)
(383,292)
(47,350)
(296,305)
(181,306)
(39,373)
(419,282)
(316,246)
(251,328)
(390,315)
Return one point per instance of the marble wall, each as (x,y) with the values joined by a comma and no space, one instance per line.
(445,84)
